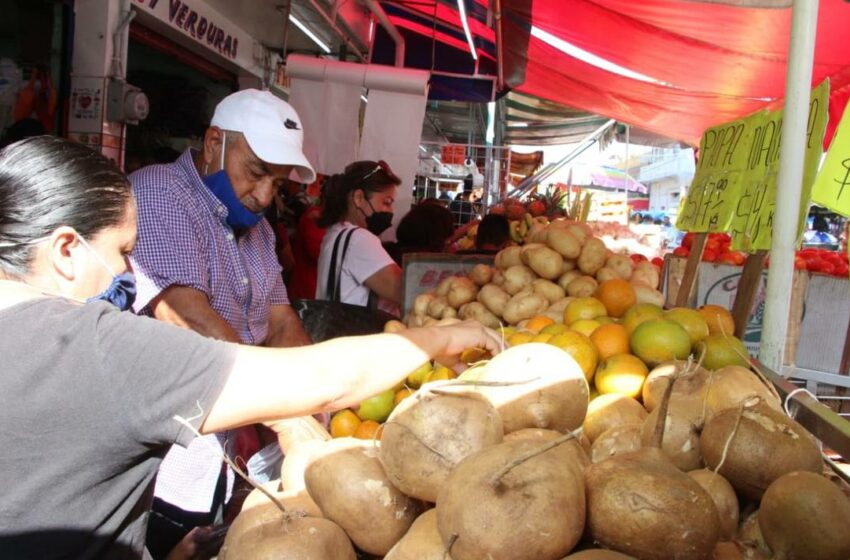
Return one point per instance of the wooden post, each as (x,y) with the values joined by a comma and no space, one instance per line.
(691,270)
(747,288)
(844,368)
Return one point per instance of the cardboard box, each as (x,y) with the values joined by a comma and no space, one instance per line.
(423,271)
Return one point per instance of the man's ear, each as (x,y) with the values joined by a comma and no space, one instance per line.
(213,139)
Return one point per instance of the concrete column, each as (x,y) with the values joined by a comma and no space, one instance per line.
(95,23)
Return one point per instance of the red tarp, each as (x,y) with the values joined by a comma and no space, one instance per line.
(707,63)
(715,62)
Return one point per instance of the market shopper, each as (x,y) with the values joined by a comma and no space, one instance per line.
(92,396)
(206,260)
(357,207)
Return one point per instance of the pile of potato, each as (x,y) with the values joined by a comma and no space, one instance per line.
(512,461)
(563,261)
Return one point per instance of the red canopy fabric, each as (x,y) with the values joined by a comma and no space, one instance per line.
(703,63)
(709,63)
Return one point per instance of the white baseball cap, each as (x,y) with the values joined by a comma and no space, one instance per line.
(270,125)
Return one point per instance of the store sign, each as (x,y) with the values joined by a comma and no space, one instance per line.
(734,188)
(200,22)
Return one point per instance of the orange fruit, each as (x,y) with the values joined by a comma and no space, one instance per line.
(520,338)
(472,355)
(621,373)
(580,348)
(440,373)
(721,351)
(402,394)
(554,328)
(583,308)
(542,337)
(639,313)
(368,429)
(585,326)
(610,339)
(344,423)
(692,320)
(719,319)
(538,323)
(660,340)
(617,296)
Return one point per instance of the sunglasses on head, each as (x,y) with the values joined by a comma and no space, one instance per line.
(382,166)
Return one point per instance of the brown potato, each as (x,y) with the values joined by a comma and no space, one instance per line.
(517,277)
(494,298)
(420,304)
(477,311)
(622,265)
(546,262)
(508,257)
(593,256)
(564,242)
(461,290)
(604,274)
(524,306)
(567,277)
(481,274)
(551,291)
(584,286)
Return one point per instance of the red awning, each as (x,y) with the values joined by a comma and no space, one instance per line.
(700,64)
(688,65)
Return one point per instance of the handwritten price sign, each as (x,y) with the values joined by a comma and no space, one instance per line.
(832,187)
(734,188)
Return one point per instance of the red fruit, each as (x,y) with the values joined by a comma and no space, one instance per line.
(712,245)
(799,263)
(536,208)
(688,240)
(813,263)
(637,257)
(681,251)
(659,262)
(826,268)
(842,270)
(732,257)
(834,258)
(709,256)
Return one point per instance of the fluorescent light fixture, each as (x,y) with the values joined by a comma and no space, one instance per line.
(297,22)
(421,147)
(519,125)
(491,122)
(590,58)
(461,7)
(371,29)
(363,97)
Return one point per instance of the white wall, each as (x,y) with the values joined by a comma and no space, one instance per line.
(664,194)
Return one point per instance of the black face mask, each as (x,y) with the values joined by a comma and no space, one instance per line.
(377,222)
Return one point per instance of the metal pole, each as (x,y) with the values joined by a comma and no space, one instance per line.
(791,159)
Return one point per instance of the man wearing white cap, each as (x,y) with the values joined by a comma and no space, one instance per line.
(205,260)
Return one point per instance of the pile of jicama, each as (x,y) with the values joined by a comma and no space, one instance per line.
(512,461)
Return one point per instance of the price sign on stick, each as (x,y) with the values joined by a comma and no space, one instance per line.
(832,187)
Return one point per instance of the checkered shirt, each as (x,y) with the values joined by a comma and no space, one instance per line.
(184,240)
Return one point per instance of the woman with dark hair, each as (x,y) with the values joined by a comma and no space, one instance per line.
(357,206)
(93,398)
(426,228)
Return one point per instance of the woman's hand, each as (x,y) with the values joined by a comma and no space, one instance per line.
(451,340)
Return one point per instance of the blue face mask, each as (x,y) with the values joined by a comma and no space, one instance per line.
(121,292)
(238,217)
